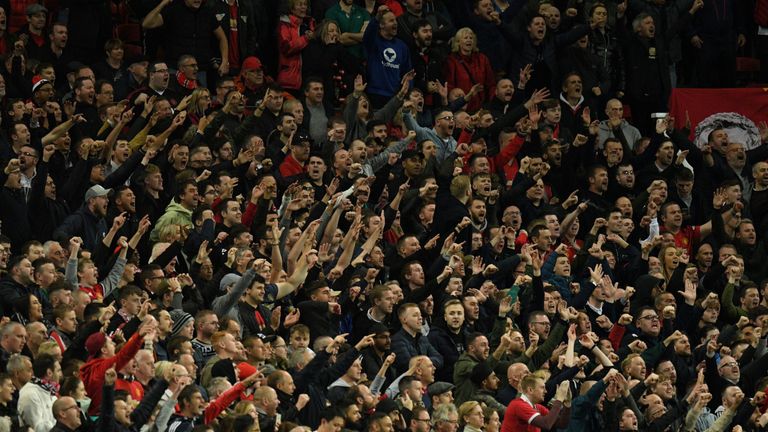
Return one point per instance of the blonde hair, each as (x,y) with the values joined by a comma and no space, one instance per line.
(194,100)
(322,30)
(161,368)
(47,347)
(459,186)
(460,35)
(466,408)
(167,233)
(244,407)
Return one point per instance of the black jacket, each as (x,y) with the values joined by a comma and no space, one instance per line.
(450,346)
(83,223)
(46,214)
(246,26)
(314,380)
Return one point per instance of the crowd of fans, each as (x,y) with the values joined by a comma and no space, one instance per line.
(293,216)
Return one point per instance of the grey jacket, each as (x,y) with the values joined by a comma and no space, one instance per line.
(631,133)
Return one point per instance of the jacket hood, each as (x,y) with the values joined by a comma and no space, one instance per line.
(178,208)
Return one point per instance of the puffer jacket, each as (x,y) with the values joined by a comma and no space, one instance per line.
(291,42)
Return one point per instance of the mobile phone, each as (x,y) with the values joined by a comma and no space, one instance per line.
(513,292)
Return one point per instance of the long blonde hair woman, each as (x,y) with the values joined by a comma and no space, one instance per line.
(199,102)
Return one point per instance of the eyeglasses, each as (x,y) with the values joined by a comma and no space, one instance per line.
(729,364)
(449,118)
(545,324)
(28,154)
(650,317)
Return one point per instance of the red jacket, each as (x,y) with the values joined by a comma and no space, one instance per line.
(290,167)
(466,71)
(92,373)
(290,45)
(221,403)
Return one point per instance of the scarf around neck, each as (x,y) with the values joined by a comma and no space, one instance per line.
(49,386)
(185,82)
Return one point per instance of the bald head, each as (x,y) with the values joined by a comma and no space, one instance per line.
(516,372)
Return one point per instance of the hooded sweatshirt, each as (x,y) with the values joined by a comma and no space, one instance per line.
(92,373)
(175,213)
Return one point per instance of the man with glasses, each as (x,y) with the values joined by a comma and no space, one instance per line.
(185,81)
(223,86)
(538,322)
(28,163)
(159,80)
(67,414)
(625,181)
(420,422)
(649,326)
(441,134)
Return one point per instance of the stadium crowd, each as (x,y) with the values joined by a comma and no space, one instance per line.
(379,216)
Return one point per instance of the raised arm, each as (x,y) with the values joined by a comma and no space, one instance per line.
(154,19)
(299,274)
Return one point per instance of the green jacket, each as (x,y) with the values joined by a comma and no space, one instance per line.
(462,373)
(176,214)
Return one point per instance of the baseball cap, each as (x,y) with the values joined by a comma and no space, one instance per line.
(251,63)
(96,191)
(37,82)
(94,343)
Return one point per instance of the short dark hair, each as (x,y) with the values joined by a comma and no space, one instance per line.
(537,229)
(419,24)
(683,174)
(311,80)
(330,413)
(152,68)
(174,344)
(42,364)
(128,291)
(186,394)
(15,261)
(374,123)
(80,83)
(181,186)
